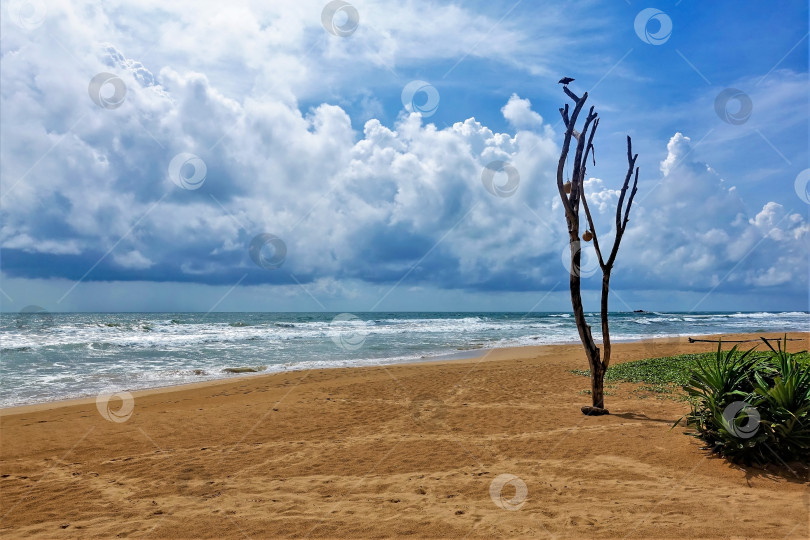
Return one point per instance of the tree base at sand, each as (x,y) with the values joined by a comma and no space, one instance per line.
(594,411)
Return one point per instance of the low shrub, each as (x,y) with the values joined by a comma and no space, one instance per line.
(752,407)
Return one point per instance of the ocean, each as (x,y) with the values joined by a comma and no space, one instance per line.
(51,356)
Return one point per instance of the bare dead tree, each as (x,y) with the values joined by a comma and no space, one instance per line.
(572,194)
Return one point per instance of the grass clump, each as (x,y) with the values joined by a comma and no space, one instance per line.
(664,376)
(669,373)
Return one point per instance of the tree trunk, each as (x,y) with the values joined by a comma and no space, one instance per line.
(585,336)
(591,350)
(605,327)
(598,387)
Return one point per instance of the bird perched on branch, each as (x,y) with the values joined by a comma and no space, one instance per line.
(565,80)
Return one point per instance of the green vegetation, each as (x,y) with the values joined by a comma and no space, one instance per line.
(662,376)
(750,406)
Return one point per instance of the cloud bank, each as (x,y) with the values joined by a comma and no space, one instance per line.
(89,193)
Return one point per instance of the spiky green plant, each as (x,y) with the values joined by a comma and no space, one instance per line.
(786,399)
(751,407)
(715,384)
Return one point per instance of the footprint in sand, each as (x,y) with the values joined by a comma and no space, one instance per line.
(428,411)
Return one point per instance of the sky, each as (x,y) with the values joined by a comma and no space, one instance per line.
(397,156)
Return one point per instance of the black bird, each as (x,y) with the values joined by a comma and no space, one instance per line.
(565,81)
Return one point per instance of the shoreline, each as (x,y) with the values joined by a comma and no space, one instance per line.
(85,355)
(233,377)
(469,355)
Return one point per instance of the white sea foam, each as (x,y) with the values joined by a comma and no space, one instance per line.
(71,355)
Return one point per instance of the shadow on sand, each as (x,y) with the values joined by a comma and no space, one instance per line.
(636,416)
(796,472)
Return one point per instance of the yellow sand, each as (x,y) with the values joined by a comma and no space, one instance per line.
(407,450)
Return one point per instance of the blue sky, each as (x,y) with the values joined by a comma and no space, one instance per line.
(376,200)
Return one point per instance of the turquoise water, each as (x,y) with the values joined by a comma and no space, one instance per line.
(62,355)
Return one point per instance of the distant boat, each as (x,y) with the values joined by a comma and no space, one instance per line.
(639,311)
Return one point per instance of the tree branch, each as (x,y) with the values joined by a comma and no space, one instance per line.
(624,185)
(590,142)
(578,174)
(564,114)
(588,149)
(570,214)
(631,163)
(630,200)
(573,95)
(593,230)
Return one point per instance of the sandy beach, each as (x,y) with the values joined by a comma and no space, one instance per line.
(405,450)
